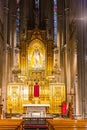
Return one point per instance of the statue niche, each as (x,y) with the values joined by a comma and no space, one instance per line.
(36,56)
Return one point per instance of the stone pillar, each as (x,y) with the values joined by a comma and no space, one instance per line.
(55,56)
(5,59)
(76,98)
(48,29)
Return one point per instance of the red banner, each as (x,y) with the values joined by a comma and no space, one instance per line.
(36,90)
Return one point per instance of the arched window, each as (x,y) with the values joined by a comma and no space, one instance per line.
(18,23)
(55,23)
(37,4)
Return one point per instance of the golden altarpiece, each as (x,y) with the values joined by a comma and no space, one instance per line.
(36,64)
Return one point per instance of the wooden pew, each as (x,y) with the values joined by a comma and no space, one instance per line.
(8,128)
(70,127)
(54,122)
(67,124)
(11,124)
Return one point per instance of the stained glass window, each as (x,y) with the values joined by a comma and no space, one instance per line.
(37,4)
(55,23)
(18,23)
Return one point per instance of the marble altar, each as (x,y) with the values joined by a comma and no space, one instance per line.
(36,110)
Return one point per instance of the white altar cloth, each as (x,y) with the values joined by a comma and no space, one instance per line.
(36,105)
(36,109)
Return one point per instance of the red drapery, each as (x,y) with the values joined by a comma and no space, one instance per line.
(36,90)
(64,108)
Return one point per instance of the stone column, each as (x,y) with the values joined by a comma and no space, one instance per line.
(5,58)
(76,97)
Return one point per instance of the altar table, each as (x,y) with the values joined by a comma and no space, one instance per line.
(36,110)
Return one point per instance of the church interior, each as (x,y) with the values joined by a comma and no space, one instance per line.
(43,53)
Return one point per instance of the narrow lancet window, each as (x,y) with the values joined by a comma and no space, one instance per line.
(55,22)
(18,23)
